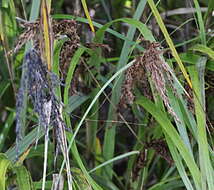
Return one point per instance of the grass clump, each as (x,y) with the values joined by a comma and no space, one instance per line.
(118,105)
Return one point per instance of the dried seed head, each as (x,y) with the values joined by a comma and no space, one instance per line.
(68,28)
(139,164)
(132,75)
(160,147)
(159,72)
(32,31)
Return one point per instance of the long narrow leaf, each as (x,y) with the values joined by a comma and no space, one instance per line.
(175,138)
(87,15)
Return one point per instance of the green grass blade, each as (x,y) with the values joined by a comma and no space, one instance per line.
(135,23)
(197,76)
(181,124)
(56,67)
(28,140)
(35,10)
(23,178)
(200,22)
(71,69)
(6,127)
(179,164)
(92,125)
(3,87)
(203,49)
(5,164)
(114,159)
(169,129)
(77,157)
(74,102)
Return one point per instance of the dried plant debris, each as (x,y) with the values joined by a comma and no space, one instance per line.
(31,32)
(39,85)
(131,76)
(140,163)
(98,45)
(161,149)
(36,83)
(66,28)
(152,66)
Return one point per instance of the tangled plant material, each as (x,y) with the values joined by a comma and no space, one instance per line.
(157,70)
(160,148)
(39,84)
(35,84)
(65,28)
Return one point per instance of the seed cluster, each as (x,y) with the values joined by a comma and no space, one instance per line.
(161,149)
(39,85)
(152,65)
(140,163)
(67,28)
(132,75)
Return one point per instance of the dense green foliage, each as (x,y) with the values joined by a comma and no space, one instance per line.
(132,99)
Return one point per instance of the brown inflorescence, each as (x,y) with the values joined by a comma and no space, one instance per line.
(131,76)
(153,66)
(160,148)
(140,163)
(68,28)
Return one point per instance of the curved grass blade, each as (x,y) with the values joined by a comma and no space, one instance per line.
(71,141)
(114,159)
(179,164)
(75,153)
(5,164)
(3,87)
(56,68)
(203,49)
(83,20)
(96,97)
(71,69)
(23,178)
